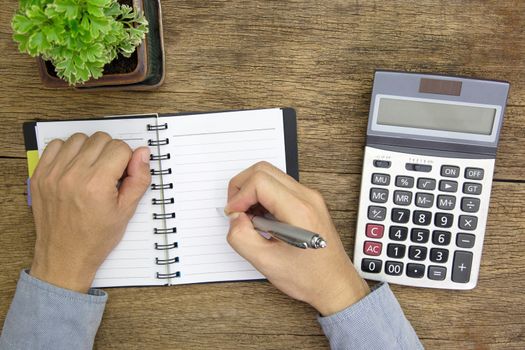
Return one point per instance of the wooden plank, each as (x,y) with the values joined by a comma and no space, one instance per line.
(243,314)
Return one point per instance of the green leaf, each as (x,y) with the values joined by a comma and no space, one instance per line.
(95,11)
(69,8)
(37,43)
(22,40)
(51,33)
(99,3)
(21,24)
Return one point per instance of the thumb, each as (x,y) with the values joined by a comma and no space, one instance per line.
(137,180)
(245,240)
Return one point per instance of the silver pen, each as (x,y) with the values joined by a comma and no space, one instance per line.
(292,235)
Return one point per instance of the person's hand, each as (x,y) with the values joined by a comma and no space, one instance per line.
(324,278)
(84,192)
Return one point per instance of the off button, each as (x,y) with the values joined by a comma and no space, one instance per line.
(474,173)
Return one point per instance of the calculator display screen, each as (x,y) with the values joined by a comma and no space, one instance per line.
(436,116)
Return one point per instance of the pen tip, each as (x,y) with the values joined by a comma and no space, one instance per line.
(322,244)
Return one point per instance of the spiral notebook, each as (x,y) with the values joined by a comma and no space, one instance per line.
(176,235)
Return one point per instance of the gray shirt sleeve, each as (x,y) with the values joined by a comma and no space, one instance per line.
(43,316)
(374,322)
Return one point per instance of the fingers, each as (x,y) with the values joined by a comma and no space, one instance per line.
(49,154)
(137,180)
(93,147)
(113,160)
(245,240)
(69,151)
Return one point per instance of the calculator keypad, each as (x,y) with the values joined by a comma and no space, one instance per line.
(424,219)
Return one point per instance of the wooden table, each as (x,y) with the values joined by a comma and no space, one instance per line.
(318,57)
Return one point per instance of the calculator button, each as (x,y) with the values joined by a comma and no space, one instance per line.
(465,240)
(450,171)
(446,202)
(438,255)
(443,220)
(424,200)
(382,163)
(448,186)
(418,167)
(467,222)
(474,173)
(371,265)
(421,217)
(419,235)
(405,181)
(374,230)
(378,195)
(396,251)
(415,270)
(461,266)
(470,205)
(417,253)
(394,268)
(398,233)
(441,237)
(376,213)
(381,179)
(372,248)
(471,188)
(437,273)
(402,197)
(400,215)
(426,184)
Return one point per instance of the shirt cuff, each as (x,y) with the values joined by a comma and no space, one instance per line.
(375,322)
(44,316)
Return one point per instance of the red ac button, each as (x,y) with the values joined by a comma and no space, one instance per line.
(372,248)
(374,230)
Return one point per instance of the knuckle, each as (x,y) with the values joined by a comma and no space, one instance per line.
(101,135)
(78,136)
(120,145)
(317,197)
(55,142)
(259,177)
(262,166)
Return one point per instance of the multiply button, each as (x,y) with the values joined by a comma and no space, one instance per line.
(372,248)
(449,171)
(448,186)
(474,173)
(381,179)
(376,213)
(374,230)
(471,188)
(461,266)
(378,195)
(467,222)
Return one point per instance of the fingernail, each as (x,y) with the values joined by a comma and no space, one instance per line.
(233,216)
(145,155)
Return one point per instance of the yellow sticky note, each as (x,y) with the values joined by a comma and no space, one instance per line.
(32,161)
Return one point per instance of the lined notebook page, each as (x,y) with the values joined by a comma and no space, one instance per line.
(132,262)
(206,151)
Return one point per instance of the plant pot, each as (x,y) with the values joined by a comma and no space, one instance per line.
(146,63)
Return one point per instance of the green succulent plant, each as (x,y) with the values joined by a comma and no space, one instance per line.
(78,36)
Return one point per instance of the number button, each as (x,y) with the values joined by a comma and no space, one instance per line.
(449,171)
(437,273)
(376,213)
(393,268)
(467,222)
(371,265)
(441,237)
(448,186)
(424,200)
(470,205)
(374,231)
(426,184)
(415,270)
(372,248)
(465,240)
(382,163)
(417,253)
(405,181)
(474,173)
(421,217)
(398,233)
(438,255)
(471,188)
(381,179)
(400,215)
(461,266)
(396,251)
(402,197)
(378,195)
(443,220)
(446,202)
(419,235)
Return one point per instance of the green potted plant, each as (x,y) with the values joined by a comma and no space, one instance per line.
(93,43)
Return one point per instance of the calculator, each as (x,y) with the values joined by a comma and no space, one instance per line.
(426,180)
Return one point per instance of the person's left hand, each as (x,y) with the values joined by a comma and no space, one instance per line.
(84,192)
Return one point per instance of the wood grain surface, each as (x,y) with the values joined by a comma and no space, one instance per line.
(318,57)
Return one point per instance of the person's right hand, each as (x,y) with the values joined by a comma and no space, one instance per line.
(324,278)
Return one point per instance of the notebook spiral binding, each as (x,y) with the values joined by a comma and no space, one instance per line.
(164,214)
